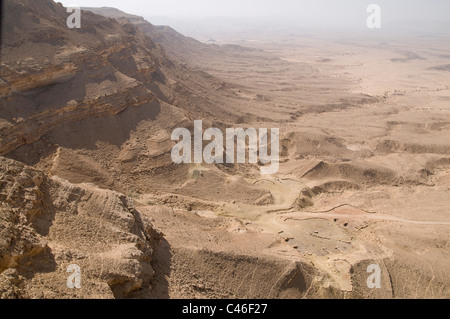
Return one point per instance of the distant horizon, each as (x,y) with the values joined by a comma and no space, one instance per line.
(317,11)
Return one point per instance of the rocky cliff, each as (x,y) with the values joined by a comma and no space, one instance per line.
(176,45)
(48,224)
(52,75)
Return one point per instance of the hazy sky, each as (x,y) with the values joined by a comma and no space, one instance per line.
(338,10)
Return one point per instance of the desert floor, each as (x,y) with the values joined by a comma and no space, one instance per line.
(365,170)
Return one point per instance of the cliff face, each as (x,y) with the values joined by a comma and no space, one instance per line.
(48,224)
(177,46)
(98,70)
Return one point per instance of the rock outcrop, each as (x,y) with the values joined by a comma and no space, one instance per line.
(99,70)
(48,224)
